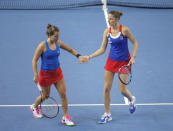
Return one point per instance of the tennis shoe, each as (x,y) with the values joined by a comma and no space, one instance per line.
(66,121)
(132,106)
(36,111)
(105,118)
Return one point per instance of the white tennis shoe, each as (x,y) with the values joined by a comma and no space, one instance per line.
(105,118)
(132,106)
(66,120)
(36,111)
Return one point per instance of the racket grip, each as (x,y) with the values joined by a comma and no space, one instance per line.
(129,64)
(39,87)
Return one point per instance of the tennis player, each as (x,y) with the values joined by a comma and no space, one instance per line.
(117,36)
(51,73)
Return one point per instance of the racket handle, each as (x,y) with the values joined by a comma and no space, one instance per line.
(39,87)
(129,64)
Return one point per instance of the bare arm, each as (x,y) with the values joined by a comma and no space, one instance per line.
(102,49)
(37,55)
(129,35)
(67,48)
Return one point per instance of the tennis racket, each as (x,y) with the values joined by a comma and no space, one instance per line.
(125,74)
(49,106)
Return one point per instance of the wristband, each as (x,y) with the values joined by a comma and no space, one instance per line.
(78,55)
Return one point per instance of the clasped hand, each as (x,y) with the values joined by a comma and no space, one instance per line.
(83,59)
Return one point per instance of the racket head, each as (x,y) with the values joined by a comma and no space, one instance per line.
(125,74)
(49,107)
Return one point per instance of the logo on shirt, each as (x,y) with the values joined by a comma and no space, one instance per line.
(121,37)
(58,52)
(109,41)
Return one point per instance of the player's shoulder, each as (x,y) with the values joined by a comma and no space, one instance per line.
(106,31)
(42,44)
(60,43)
(125,28)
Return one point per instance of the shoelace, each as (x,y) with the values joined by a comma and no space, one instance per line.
(103,116)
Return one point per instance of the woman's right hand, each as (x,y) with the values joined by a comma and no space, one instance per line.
(83,59)
(36,79)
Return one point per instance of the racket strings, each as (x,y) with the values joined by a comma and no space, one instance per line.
(125,75)
(49,107)
(125,70)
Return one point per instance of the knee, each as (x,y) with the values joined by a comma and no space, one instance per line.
(63,95)
(123,90)
(45,96)
(107,88)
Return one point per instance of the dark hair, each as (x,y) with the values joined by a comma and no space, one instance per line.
(116,14)
(51,29)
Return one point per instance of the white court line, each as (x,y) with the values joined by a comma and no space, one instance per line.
(87,105)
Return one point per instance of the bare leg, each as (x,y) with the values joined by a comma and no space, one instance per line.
(124,91)
(45,94)
(37,101)
(61,88)
(108,80)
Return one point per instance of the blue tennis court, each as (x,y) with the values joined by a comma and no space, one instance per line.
(82,29)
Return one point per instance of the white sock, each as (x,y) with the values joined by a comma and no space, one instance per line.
(109,114)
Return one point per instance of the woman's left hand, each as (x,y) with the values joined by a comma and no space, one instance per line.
(132,60)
